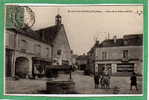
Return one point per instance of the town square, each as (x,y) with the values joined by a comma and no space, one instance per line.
(76,49)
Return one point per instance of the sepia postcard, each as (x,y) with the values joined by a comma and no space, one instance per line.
(74,50)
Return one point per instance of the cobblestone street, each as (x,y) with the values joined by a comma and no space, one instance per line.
(83,85)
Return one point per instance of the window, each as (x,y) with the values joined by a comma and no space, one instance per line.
(125,42)
(37,49)
(24,45)
(47,52)
(104,55)
(125,53)
(59,52)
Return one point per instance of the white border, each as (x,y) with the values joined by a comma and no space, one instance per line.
(75,95)
(70,5)
(70,95)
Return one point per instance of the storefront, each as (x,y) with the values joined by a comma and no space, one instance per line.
(117,67)
(39,66)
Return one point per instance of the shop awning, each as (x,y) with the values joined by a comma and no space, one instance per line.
(58,67)
(41,59)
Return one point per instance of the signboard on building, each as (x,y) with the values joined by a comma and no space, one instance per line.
(129,67)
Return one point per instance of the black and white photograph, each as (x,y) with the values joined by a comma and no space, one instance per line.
(75,49)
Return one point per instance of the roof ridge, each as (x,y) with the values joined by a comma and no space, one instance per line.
(47,27)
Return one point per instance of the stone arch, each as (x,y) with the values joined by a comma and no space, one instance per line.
(21,66)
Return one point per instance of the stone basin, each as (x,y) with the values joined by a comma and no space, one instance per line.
(60,87)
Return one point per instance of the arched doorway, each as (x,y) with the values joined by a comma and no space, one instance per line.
(21,67)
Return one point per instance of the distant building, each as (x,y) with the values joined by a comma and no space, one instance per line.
(91,57)
(27,50)
(74,59)
(81,61)
(122,55)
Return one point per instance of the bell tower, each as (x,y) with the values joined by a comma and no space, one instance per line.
(58,19)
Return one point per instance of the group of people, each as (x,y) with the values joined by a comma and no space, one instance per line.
(102,80)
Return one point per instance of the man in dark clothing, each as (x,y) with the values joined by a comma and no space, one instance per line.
(96,80)
(133,81)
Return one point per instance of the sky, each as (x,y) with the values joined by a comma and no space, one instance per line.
(84,24)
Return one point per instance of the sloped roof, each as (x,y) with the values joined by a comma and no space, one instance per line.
(111,43)
(136,39)
(49,34)
(28,32)
(46,35)
(127,40)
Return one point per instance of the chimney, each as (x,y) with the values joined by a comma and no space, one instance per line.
(115,38)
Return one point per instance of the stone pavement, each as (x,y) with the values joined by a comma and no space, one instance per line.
(83,85)
(24,86)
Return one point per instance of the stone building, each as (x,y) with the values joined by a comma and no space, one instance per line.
(74,59)
(82,61)
(122,56)
(61,50)
(27,50)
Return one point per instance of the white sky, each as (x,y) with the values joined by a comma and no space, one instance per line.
(83,27)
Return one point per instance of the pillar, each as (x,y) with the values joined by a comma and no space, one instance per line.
(135,67)
(30,67)
(13,60)
(114,68)
(96,67)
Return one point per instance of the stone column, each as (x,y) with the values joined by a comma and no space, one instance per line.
(114,68)
(30,67)
(13,60)
(96,67)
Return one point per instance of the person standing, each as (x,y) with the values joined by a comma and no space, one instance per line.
(96,80)
(133,80)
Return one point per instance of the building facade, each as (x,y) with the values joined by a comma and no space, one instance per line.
(24,51)
(121,56)
(82,61)
(28,51)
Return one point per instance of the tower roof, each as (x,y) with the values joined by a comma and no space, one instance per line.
(58,16)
